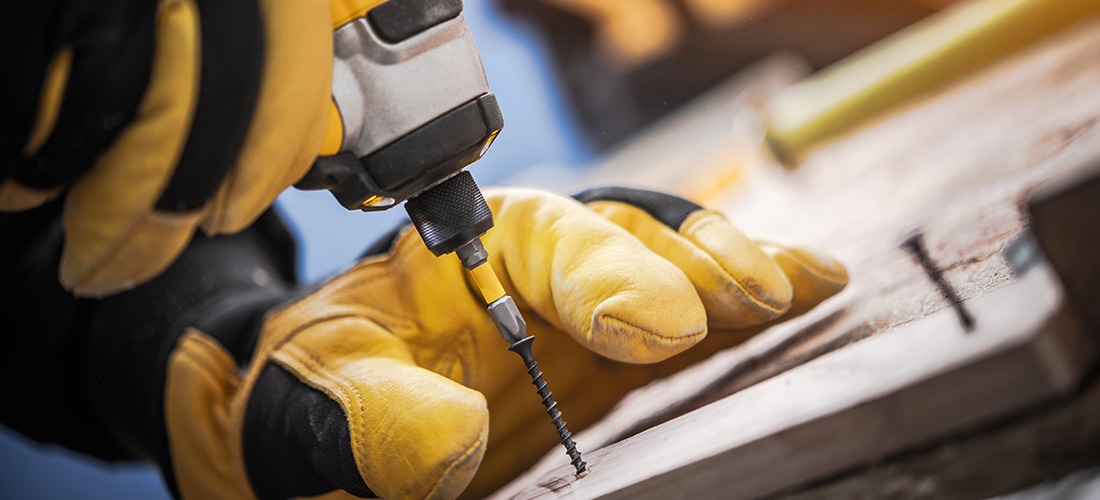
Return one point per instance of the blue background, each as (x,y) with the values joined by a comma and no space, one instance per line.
(537,132)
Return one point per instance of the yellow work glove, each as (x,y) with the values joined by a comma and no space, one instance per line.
(158,118)
(390,379)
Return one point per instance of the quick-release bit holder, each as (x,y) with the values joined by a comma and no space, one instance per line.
(451,214)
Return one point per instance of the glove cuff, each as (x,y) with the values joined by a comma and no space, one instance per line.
(90,373)
(222,286)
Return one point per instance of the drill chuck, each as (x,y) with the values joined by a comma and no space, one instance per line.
(451,214)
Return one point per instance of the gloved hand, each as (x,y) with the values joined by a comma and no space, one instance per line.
(160,118)
(391,379)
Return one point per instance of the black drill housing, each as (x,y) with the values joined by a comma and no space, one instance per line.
(411,164)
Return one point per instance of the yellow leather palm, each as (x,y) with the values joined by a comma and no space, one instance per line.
(434,403)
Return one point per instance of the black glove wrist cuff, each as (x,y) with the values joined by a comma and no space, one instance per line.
(222,286)
(89,374)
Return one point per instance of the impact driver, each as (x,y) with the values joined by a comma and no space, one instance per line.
(411,108)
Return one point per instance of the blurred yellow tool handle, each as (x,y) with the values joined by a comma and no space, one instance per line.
(920,58)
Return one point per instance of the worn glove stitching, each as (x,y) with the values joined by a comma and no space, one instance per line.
(265,349)
(304,362)
(286,359)
(668,339)
(315,365)
(397,321)
(312,291)
(210,348)
(203,363)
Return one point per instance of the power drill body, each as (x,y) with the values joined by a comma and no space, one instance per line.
(411,108)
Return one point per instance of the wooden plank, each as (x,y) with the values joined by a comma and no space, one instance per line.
(957,166)
(893,391)
(1065,220)
(1037,446)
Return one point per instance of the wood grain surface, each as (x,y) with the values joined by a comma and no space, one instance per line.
(958,166)
(893,391)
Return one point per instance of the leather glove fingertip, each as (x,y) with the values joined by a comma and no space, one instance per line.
(814,276)
(737,283)
(593,278)
(141,253)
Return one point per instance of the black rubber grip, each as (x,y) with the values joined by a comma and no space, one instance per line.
(670,210)
(397,20)
(451,214)
(412,163)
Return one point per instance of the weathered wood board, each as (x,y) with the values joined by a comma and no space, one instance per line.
(893,391)
(1038,445)
(957,165)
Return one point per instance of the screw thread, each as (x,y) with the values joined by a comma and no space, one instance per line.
(555,414)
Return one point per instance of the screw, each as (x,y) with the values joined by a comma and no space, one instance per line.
(915,245)
(523,348)
(513,329)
